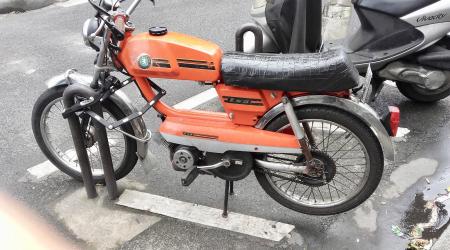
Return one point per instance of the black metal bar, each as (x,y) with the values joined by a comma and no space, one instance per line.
(257,31)
(105,154)
(309,135)
(225,200)
(298,38)
(231,187)
(75,128)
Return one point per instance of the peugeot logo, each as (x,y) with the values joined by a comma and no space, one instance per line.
(144,61)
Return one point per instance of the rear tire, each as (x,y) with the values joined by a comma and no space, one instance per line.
(53,94)
(418,94)
(352,124)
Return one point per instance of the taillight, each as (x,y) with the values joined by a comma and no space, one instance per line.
(391,120)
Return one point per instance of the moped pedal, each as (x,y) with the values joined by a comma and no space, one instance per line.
(189,176)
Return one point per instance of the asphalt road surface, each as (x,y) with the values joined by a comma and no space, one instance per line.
(39,44)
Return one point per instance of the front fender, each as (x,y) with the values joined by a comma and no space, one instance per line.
(119,98)
(361,110)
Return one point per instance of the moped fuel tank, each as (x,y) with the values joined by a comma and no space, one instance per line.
(172,55)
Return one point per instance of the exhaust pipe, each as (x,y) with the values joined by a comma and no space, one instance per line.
(276,166)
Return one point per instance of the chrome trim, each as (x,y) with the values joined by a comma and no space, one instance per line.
(225,163)
(361,110)
(215,146)
(277,166)
(119,98)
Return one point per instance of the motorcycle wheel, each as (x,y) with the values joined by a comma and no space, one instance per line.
(419,94)
(52,133)
(350,155)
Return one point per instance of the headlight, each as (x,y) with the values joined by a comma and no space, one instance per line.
(89,28)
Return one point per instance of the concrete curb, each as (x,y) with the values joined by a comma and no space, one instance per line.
(7,6)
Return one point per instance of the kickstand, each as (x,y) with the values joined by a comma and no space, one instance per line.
(225,200)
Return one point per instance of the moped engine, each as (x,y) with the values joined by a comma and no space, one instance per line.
(231,166)
(184,158)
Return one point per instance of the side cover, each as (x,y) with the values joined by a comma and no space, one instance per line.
(173,55)
(395,8)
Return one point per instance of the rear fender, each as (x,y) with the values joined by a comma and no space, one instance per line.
(119,98)
(361,110)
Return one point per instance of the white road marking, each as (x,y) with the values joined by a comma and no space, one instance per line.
(30,71)
(197,100)
(402,132)
(41,170)
(72,3)
(390,83)
(204,215)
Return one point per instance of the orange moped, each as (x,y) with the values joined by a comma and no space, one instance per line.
(292,119)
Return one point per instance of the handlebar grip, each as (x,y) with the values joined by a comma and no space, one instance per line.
(119,22)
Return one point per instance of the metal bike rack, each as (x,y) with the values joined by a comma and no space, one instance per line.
(69,95)
(256,30)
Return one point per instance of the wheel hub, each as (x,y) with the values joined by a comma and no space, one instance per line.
(320,171)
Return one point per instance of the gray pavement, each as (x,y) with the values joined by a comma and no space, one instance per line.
(7,6)
(39,44)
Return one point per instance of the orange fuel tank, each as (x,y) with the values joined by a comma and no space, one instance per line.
(173,55)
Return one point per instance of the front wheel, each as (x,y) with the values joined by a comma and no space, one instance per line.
(348,152)
(418,94)
(53,136)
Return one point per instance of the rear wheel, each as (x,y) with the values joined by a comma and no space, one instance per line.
(349,153)
(53,136)
(419,94)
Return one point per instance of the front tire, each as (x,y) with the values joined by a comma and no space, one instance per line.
(59,149)
(418,94)
(307,197)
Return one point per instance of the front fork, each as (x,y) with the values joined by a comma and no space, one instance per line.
(303,134)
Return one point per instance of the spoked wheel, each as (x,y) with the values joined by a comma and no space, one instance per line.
(348,162)
(53,136)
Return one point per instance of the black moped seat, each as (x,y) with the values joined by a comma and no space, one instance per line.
(319,72)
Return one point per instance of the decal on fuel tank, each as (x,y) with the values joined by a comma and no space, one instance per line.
(195,64)
(161,63)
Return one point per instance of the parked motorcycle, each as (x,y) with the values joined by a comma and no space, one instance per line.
(290,118)
(403,41)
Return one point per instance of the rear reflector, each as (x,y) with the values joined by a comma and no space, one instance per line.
(394,120)
(391,120)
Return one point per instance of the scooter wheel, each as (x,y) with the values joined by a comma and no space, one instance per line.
(418,94)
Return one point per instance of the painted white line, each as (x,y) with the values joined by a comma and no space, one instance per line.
(402,132)
(41,170)
(29,72)
(197,100)
(390,83)
(208,216)
(72,3)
